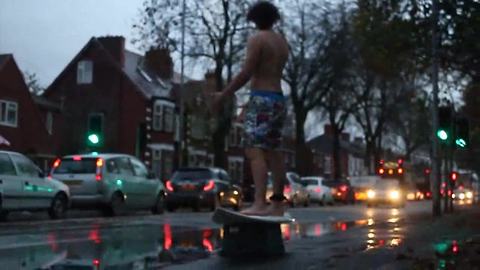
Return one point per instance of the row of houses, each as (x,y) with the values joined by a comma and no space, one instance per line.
(133,101)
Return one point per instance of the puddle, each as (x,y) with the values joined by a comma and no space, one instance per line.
(141,247)
(452,255)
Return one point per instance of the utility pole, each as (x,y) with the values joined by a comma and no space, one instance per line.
(436,170)
(182,137)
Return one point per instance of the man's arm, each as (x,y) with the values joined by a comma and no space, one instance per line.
(251,60)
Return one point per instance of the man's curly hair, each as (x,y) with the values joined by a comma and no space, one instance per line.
(264,14)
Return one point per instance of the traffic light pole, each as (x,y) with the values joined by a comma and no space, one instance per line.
(435,184)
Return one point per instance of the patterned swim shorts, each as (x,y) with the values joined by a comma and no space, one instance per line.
(264,118)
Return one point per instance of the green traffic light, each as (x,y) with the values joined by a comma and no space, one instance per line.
(93,138)
(461,142)
(442,134)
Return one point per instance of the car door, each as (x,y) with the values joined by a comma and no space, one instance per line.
(11,186)
(128,181)
(145,186)
(36,193)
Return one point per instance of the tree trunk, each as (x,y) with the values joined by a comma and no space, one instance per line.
(303,157)
(369,153)
(222,129)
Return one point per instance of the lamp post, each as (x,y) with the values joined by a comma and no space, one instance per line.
(435,184)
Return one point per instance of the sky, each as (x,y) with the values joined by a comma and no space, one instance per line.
(44,35)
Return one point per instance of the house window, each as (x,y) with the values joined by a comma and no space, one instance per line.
(235,169)
(163,116)
(49,123)
(8,113)
(163,163)
(84,72)
(328,165)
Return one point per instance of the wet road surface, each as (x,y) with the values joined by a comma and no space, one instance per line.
(143,241)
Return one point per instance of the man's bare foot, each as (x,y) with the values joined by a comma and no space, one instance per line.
(255,210)
(276,209)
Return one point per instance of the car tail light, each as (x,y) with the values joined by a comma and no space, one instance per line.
(98,176)
(96,263)
(77,158)
(343,188)
(209,186)
(169,186)
(56,164)
(318,190)
(287,189)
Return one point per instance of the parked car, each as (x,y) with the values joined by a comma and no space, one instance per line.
(413,193)
(342,191)
(294,190)
(387,192)
(361,184)
(317,191)
(197,187)
(23,186)
(112,182)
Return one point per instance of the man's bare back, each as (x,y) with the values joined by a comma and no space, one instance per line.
(273,55)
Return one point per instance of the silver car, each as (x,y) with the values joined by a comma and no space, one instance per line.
(294,190)
(317,191)
(112,182)
(23,186)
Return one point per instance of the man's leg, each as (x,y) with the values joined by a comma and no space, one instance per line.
(259,169)
(277,166)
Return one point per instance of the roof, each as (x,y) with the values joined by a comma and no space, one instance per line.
(4,58)
(99,155)
(46,103)
(146,80)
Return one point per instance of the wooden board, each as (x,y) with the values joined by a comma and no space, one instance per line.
(226,216)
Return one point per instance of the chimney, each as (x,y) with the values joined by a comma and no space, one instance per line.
(328,130)
(160,61)
(115,45)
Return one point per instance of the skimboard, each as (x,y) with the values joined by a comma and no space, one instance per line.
(226,216)
(250,236)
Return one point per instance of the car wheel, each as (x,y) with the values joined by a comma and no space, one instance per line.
(4,215)
(115,206)
(322,201)
(58,207)
(307,202)
(171,208)
(159,207)
(294,201)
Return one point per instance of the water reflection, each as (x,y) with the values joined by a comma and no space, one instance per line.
(145,247)
(383,235)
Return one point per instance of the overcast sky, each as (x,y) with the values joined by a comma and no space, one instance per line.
(44,35)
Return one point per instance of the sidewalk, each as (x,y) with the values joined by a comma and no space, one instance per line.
(449,242)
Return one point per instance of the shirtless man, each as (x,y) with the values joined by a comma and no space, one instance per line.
(267,54)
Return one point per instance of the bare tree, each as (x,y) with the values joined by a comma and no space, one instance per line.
(215,34)
(33,85)
(307,76)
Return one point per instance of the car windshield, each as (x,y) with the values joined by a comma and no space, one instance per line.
(310,181)
(386,184)
(80,166)
(194,174)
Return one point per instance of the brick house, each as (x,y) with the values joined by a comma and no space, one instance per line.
(351,155)
(29,128)
(124,97)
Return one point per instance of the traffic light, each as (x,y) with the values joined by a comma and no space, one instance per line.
(453,176)
(444,131)
(95,130)
(461,132)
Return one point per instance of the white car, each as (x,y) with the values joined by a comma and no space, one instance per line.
(112,182)
(23,186)
(317,191)
(294,190)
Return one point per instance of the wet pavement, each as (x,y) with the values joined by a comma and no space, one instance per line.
(323,237)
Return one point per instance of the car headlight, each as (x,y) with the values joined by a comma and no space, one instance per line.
(371,194)
(469,195)
(461,196)
(394,195)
